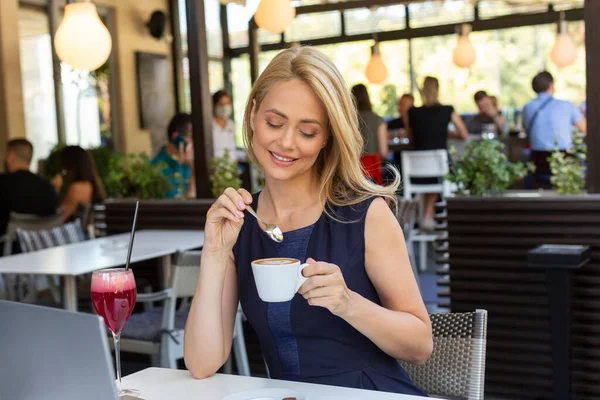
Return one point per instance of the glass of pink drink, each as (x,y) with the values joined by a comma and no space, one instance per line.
(113,297)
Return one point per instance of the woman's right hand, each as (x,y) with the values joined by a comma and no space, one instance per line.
(224,220)
(57,182)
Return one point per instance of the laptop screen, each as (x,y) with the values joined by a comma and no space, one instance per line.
(47,353)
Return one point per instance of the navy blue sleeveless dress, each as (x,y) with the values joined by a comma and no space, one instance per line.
(308,343)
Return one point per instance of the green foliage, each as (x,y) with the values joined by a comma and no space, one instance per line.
(135,176)
(102,73)
(52,164)
(568,170)
(131,176)
(388,98)
(485,169)
(224,174)
(102,158)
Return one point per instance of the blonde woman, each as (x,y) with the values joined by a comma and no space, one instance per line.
(360,310)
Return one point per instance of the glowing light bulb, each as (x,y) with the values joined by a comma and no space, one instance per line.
(376,71)
(274,15)
(82,40)
(564,51)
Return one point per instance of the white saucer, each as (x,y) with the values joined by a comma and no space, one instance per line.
(265,394)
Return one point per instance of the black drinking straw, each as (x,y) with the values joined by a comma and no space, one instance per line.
(137,205)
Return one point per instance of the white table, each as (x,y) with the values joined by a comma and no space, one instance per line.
(172,384)
(107,252)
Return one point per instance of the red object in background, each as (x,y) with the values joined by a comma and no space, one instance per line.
(372,165)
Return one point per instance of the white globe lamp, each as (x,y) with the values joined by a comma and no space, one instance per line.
(82,40)
(464,54)
(274,16)
(376,71)
(564,51)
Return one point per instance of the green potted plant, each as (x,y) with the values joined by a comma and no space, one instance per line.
(568,168)
(484,169)
(224,174)
(134,176)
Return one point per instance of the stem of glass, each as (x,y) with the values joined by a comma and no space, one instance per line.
(117,339)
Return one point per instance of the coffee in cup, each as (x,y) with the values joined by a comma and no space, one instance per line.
(278,279)
(276,261)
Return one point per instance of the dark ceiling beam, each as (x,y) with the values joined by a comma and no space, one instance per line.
(346,5)
(33,7)
(509,21)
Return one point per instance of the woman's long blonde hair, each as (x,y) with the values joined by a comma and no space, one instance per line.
(342,181)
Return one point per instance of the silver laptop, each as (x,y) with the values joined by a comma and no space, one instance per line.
(47,353)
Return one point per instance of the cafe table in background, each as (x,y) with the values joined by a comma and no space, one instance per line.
(72,260)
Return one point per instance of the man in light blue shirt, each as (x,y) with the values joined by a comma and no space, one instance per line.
(549,121)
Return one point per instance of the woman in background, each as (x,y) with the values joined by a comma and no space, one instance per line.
(428,130)
(373,128)
(85,187)
(224,127)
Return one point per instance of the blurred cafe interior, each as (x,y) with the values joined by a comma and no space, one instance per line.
(484,109)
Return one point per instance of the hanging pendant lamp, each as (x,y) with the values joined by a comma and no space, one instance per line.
(82,40)
(274,15)
(376,71)
(564,51)
(464,54)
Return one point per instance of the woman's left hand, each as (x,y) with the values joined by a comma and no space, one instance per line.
(326,287)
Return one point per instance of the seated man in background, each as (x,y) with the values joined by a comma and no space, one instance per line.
(22,191)
(178,157)
(488,114)
(405,102)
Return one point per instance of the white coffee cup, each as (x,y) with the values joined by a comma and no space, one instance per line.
(278,279)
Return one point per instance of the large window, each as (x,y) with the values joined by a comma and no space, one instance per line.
(240,78)
(80,99)
(215,50)
(364,20)
(506,62)
(38,84)
(86,104)
(352,59)
(85,95)
(237,22)
(440,13)
(507,59)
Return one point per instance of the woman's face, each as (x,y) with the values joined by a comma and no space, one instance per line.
(224,101)
(290,129)
(223,108)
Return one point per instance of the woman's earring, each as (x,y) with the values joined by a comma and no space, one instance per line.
(324,144)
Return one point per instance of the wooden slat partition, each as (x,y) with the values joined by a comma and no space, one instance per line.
(116,216)
(488,241)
